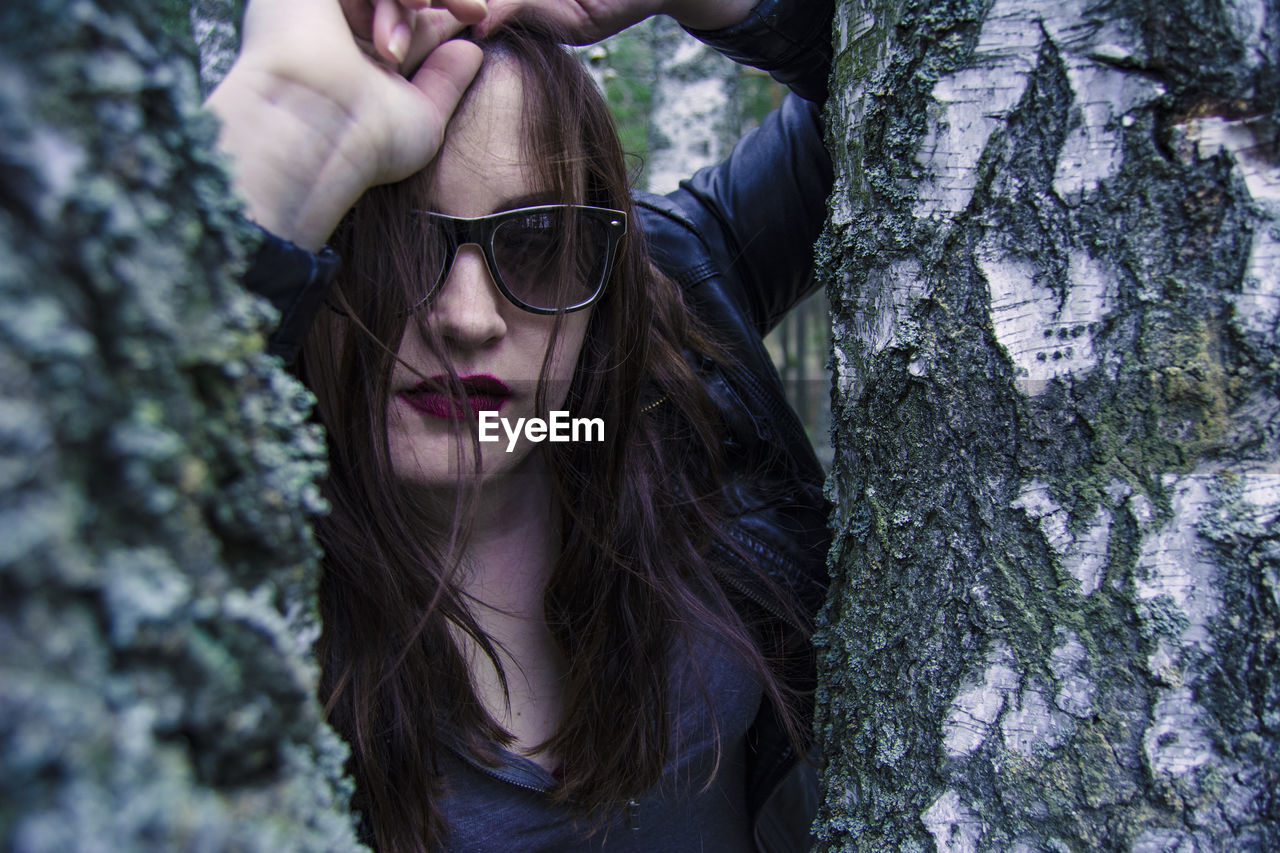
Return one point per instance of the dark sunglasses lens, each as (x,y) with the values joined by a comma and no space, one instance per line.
(552,258)
(393,283)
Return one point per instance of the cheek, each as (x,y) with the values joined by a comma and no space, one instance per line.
(564,361)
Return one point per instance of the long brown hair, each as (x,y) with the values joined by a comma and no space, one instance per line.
(639,511)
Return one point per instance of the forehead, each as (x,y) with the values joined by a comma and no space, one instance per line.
(482,165)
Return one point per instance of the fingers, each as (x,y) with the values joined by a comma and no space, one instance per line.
(405,31)
(501,11)
(429,100)
(392,30)
(431,27)
(582,22)
(467,11)
(446,74)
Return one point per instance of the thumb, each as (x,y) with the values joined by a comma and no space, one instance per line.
(445,76)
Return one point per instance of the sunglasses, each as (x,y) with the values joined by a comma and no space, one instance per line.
(544,259)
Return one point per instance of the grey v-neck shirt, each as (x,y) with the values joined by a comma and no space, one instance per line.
(505,809)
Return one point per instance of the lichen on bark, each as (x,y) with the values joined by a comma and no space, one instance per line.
(1056,377)
(157,567)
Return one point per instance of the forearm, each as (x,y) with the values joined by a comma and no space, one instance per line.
(791,39)
(761,210)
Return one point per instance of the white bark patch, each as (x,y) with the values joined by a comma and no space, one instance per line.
(846,373)
(852,26)
(1044,335)
(1257,305)
(1172,564)
(1068,662)
(1164,841)
(1087,557)
(970,105)
(1247,18)
(1140,510)
(1033,724)
(1176,575)
(880,306)
(1176,742)
(1084,556)
(1092,152)
(853,104)
(1262,492)
(977,706)
(1245,140)
(955,829)
(1035,501)
(890,292)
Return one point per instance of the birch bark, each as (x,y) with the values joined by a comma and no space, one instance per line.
(695,118)
(157,690)
(1052,257)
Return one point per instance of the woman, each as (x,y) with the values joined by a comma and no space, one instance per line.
(559,646)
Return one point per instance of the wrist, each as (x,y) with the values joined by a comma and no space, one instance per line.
(289,154)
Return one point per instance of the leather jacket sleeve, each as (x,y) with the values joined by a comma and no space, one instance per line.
(791,39)
(738,238)
(293,280)
(763,207)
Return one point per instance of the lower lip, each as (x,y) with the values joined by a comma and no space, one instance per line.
(449,408)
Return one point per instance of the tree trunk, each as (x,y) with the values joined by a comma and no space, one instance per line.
(695,116)
(213,29)
(157,690)
(1052,257)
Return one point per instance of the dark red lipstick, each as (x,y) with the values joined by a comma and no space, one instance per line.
(432,397)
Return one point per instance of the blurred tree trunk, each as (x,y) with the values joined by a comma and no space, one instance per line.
(1053,261)
(156,564)
(214,30)
(695,117)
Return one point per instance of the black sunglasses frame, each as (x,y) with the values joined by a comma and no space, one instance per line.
(479,231)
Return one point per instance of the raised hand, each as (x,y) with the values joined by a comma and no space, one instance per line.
(311,120)
(587,21)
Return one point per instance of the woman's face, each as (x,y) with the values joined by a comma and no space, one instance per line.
(496,348)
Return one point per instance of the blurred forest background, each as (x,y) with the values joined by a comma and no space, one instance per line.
(679,106)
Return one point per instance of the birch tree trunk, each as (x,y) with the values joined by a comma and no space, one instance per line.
(1053,260)
(695,118)
(157,690)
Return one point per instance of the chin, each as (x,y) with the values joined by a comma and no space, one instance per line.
(433,461)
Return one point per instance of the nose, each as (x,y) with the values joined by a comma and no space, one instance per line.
(467,309)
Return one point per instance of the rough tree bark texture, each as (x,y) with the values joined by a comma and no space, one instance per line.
(156,472)
(1053,261)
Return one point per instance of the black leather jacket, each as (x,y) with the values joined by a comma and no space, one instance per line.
(737,237)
